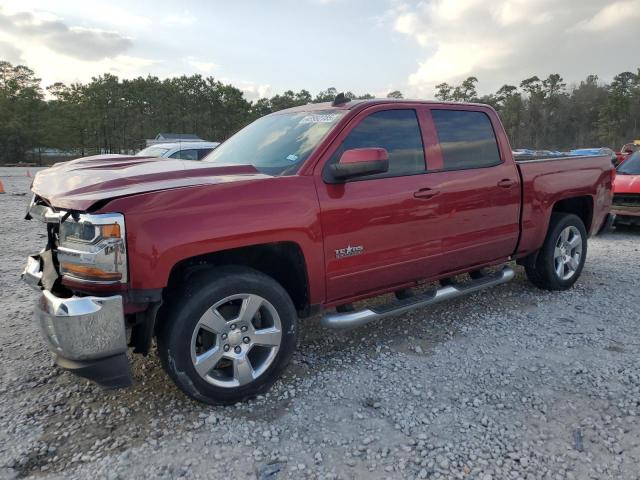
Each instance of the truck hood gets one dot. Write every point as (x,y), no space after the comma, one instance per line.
(79,184)
(626,184)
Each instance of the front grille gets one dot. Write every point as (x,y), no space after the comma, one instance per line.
(627,199)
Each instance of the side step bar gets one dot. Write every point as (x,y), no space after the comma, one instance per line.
(360,317)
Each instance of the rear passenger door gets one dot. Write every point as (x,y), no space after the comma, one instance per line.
(476,191)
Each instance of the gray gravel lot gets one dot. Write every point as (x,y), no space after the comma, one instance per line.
(510,383)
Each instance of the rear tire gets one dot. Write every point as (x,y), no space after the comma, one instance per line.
(228,336)
(559,262)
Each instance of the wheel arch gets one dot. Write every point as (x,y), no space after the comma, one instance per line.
(581,206)
(282,261)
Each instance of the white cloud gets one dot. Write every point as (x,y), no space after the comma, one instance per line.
(202,66)
(74,40)
(25,28)
(514,12)
(10,52)
(45,63)
(59,52)
(409,24)
(615,15)
(457,60)
(93,10)
(182,19)
(113,14)
(452,10)
(507,40)
(253,91)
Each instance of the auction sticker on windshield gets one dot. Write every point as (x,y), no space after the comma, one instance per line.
(320,118)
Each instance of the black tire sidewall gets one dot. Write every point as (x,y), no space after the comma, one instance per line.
(174,339)
(545,263)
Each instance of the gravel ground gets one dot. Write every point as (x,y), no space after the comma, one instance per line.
(510,383)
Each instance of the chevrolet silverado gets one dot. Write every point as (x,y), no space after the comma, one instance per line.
(306,210)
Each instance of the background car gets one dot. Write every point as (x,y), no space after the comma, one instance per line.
(596,151)
(626,151)
(626,191)
(529,154)
(181,150)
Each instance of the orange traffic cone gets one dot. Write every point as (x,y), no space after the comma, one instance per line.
(29,174)
(1,187)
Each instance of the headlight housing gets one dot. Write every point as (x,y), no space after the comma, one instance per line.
(92,248)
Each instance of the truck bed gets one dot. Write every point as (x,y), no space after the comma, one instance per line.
(544,158)
(586,180)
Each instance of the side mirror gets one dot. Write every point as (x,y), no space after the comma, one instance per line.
(358,162)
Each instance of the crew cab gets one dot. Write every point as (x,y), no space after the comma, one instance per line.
(305,211)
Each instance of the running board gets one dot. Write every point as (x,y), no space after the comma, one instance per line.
(348,320)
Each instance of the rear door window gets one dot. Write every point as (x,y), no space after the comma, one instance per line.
(467,139)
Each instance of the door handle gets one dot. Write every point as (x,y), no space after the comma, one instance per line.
(426,193)
(506,183)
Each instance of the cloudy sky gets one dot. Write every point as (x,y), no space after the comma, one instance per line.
(370,46)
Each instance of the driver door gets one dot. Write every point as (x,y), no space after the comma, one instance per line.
(373,225)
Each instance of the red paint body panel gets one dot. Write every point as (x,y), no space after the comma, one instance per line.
(168,226)
(626,184)
(546,182)
(80,183)
(465,220)
(416,227)
(357,155)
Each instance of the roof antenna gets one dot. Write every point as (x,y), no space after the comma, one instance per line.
(340,99)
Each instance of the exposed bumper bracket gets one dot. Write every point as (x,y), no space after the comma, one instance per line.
(32,274)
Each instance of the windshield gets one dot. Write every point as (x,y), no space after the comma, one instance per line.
(276,144)
(631,166)
(152,152)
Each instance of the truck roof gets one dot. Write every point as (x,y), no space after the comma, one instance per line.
(350,105)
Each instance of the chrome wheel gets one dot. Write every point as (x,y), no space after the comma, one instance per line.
(236,340)
(568,253)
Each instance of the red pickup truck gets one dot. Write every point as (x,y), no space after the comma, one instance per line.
(307,209)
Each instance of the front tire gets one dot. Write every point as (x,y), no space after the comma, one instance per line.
(228,336)
(559,262)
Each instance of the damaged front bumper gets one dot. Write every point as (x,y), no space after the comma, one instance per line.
(87,335)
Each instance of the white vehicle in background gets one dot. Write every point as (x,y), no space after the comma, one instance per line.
(181,150)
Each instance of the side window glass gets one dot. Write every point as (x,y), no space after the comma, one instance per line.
(398,132)
(203,152)
(467,139)
(185,154)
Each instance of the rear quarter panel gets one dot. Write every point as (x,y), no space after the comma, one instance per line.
(168,226)
(546,182)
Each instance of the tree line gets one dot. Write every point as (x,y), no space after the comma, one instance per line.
(546,114)
(112,115)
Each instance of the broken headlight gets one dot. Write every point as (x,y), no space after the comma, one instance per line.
(92,248)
